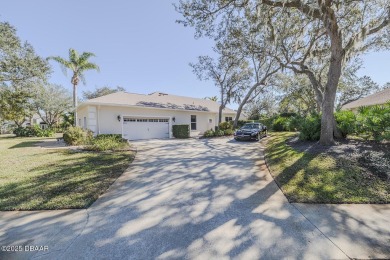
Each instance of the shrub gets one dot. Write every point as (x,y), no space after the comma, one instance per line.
(30,131)
(219,133)
(294,123)
(115,136)
(280,124)
(267,121)
(229,132)
(288,114)
(77,136)
(346,122)
(106,143)
(23,131)
(181,131)
(58,129)
(225,125)
(67,120)
(374,122)
(208,133)
(311,128)
(39,132)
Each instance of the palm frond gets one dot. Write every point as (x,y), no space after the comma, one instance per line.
(88,66)
(85,56)
(64,63)
(73,56)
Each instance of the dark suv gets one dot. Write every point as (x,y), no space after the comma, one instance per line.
(251,131)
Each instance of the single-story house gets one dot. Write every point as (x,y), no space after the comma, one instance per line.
(139,116)
(378,98)
(35,120)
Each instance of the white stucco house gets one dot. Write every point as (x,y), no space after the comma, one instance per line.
(140,116)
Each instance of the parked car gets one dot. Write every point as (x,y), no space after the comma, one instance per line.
(251,131)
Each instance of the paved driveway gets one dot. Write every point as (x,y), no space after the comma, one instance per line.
(200,199)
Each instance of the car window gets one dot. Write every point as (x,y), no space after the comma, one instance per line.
(251,126)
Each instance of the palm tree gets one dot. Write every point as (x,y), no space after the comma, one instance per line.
(78,64)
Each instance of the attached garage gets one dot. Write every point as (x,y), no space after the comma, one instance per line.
(138,128)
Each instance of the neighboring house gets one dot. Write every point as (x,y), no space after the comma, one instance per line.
(139,116)
(379,98)
(35,120)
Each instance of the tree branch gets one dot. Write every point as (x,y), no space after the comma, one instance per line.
(304,8)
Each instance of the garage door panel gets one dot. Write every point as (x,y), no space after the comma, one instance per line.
(145,128)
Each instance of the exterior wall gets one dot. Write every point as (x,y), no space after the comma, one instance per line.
(104,119)
(224,115)
(81,113)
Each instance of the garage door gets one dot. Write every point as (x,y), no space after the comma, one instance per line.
(145,128)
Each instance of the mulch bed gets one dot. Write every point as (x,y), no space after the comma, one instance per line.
(370,155)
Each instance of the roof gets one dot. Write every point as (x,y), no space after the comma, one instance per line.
(378,98)
(158,100)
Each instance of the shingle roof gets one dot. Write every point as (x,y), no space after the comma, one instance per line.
(378,98)
(158,100)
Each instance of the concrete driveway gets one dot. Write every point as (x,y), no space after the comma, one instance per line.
(199,199)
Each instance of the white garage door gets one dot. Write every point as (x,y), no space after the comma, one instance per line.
(145,128)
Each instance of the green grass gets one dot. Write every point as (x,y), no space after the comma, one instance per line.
(33,178)
(311,178)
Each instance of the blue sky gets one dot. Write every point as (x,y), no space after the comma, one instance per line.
(138,44)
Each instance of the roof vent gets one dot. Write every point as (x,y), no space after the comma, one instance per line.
(158,94)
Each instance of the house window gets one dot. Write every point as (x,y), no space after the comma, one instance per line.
(210,120)
(85,122)
(193,122)
(79,122)
(228,118)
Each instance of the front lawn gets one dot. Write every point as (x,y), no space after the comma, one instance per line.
(321,177)
(33,178)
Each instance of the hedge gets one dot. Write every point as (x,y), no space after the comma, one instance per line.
(181,131)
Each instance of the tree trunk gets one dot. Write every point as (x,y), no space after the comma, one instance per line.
(220,114)
(239,110)
(221,107)
(75,103)
(18,123)
(243,102)
(328,123)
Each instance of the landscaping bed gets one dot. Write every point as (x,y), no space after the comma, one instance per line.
(354,171)
(33,178)
(374,157)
